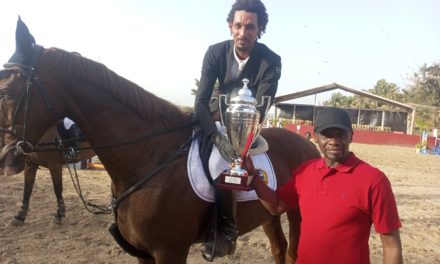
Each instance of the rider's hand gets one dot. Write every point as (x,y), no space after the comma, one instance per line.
(223,145)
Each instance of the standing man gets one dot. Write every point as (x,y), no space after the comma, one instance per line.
(229,62)
(339,197)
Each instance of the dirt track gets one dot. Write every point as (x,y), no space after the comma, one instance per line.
(83,238)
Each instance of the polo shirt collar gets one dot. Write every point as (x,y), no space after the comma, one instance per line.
(345,166)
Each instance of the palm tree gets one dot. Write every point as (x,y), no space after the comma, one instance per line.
(197,82)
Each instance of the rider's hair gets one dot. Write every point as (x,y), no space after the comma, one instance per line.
(254,6)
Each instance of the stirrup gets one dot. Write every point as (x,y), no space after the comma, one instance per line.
(71,155)
(224,245)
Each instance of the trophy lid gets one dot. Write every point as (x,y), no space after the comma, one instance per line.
(244,95)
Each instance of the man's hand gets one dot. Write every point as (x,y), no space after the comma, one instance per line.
(224,146)
(249,165)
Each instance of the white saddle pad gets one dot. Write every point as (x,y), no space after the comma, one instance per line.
(217,165)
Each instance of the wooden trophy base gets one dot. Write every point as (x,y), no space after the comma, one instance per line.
(234,182)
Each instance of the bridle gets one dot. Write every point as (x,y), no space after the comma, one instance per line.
(24,146)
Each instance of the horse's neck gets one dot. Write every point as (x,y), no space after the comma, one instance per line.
(112,110)
(111,122)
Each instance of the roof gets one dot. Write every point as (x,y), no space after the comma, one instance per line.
(334,86)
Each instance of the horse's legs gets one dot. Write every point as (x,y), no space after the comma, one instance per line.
(56,174)
(30,172)
(294,218)
(278,243)
(165,256)
(146,261)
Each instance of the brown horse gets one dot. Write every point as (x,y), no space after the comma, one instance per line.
(160,216)
(54,161)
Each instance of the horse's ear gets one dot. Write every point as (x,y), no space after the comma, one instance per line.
(23,44)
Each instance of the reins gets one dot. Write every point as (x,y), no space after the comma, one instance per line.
(89,206)
(133,141)
(99,209)
(182,149)
(25,147)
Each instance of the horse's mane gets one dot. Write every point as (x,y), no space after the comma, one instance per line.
(143,103)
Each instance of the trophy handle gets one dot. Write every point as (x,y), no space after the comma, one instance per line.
(221,104)
(263,99)
(260,125)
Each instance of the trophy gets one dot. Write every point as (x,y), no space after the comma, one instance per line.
(241,121)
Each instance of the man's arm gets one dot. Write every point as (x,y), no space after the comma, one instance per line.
(269,198)
(392,247)
(204,92)
(268,86)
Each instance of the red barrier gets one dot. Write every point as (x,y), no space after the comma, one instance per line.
(372,137)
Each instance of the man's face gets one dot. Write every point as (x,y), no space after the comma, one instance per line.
(244,29)
(334,145)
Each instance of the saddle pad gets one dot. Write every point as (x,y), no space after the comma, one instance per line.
(262,146)
(217,165)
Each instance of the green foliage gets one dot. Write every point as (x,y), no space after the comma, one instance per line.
(425,87)
(387,90)
(425,118)
(197,83)
(194,90)
(423,93)
(422,145)
(339,100)
(382,88)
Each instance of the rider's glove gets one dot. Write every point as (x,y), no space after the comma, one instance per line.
(224,147)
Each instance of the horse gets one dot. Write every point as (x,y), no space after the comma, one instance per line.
(54,160)
(143,143)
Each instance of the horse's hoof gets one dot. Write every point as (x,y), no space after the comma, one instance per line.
(17,222)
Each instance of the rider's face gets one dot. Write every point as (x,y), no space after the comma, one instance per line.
(244,29)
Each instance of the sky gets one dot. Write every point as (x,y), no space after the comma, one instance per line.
(160,44)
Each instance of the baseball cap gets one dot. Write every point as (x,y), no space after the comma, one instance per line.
(332,117)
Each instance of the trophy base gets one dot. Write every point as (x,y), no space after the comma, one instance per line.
(235,182)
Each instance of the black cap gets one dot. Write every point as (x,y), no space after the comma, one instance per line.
(332,117)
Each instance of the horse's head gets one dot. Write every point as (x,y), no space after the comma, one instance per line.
(25,113)
(10,161)
(41,86)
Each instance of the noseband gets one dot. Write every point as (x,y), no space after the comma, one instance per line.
(29,72)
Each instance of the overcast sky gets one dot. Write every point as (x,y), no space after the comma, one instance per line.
(160,44)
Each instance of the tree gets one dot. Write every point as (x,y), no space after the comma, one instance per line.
(382,88)
(424,94)
(425,87)
(387,90)
(339,100)
(194,90)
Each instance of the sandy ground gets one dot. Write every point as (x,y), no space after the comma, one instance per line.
(83,238)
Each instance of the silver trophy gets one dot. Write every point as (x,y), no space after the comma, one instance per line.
(241,121)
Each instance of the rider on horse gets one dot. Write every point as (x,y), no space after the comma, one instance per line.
(228,62)
(71,133)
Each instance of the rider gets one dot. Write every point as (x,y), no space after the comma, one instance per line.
(229,62)
(68,130)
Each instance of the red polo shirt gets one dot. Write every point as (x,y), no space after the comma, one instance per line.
(338,206)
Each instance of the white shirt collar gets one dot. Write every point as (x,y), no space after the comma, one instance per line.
(239,65)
